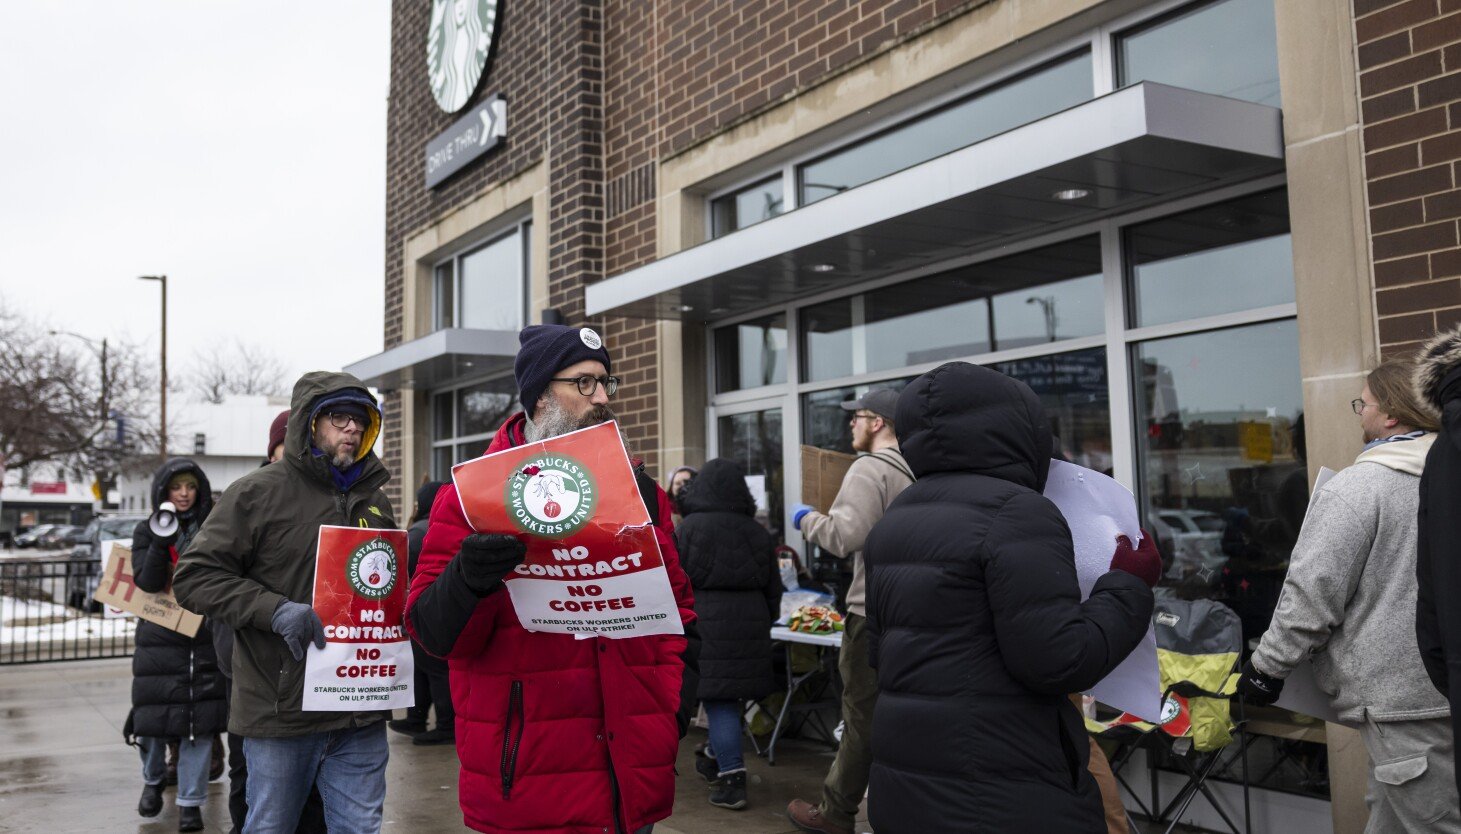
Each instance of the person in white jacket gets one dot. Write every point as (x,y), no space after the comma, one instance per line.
(1348,604)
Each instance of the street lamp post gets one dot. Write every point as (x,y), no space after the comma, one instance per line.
(163,280)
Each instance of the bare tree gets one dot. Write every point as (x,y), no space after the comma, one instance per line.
(89,407)
(236,368)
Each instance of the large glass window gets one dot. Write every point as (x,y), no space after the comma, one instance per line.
(1073,388)
(1229,48)
(1034,95)
(824,422)
(747,207)
(1223,478)
(751,354)
(1044,295)
(484,288)
(1216,259)
(464,420)
(754,439)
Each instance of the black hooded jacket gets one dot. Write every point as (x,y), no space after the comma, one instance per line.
(978,633)
(731,562)
(177,689)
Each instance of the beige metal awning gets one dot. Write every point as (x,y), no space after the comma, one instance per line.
(1134,147)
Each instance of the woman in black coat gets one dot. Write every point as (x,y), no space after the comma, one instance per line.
(977,629)
(731,562)
(177,689)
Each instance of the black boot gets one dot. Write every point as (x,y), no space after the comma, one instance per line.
(407,726)
(708,770)
(150,805)
(731,792)
(440,735)
(190,819)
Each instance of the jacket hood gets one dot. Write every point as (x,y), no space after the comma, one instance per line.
(720,487)
(960,417)
(177,466)
(1403,455)
(1434,364)
(312,390)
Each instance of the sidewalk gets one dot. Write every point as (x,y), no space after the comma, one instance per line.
(63,767)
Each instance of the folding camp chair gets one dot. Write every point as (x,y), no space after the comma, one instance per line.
(1198,646)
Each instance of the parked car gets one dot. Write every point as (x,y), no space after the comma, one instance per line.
(1194,540)
(58,537)
(32,537)
(86,557)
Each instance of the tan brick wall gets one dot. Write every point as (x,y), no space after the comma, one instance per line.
(1409,62)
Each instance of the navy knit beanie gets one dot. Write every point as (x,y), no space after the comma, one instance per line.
(546,349)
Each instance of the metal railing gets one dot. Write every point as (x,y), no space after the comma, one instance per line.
(47,613)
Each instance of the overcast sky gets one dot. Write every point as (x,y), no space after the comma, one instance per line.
(238,147)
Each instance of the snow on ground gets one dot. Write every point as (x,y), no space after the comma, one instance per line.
(39,622)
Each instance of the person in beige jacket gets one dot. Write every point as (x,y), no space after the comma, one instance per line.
(874,480)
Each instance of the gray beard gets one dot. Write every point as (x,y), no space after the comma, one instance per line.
(552,420)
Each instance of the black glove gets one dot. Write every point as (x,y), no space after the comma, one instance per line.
(299,625)
(487,557)
(1257,688)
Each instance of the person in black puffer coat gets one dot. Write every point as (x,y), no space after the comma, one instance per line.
(731,562)
(978,632)
(177,688)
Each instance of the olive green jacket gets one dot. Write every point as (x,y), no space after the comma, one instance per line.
(258,547)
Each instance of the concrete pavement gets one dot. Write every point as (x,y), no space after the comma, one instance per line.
(63,767)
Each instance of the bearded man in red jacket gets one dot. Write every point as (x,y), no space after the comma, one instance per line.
(555,733)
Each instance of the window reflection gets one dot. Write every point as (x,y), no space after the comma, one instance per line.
(751,354)
(1047,90)
(1073,388)
(482,408)
(492,286)
(747,207)
(1216,259)
(1223,477)
(825,423)
(1229,48)
(754,439)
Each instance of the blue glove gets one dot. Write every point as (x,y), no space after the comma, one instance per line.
(299,625)
(798,513)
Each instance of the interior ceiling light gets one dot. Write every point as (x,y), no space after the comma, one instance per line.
(1071,193)
(822,267)
(687,308)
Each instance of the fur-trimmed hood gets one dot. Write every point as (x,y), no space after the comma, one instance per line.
(1433,364)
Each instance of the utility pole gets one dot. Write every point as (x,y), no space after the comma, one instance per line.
(163,280)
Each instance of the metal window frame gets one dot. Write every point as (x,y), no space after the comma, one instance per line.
(517,223)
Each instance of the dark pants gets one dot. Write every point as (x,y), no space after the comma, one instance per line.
(311,820)
(847,780)
(433,688)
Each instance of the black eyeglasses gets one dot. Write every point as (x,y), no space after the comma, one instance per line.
(1359,406)
(588,384)
(340,420)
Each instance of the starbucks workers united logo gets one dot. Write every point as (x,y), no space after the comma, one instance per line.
(371,569)
(552,496)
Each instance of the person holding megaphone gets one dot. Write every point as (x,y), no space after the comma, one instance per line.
(177,689)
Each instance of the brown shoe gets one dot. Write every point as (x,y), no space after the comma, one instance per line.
(808,817)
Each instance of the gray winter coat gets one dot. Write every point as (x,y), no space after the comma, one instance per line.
(1349,598)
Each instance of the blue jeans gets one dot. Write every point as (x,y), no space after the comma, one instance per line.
(348,765)
(195,757)
(725,734)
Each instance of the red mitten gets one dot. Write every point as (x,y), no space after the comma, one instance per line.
(1144,562)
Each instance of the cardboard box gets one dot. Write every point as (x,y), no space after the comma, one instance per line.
(822,474)
(119,590)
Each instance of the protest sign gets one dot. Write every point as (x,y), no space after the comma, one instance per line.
(1098,509)
(593,566)
(111,612)
(360,596)
(119,590)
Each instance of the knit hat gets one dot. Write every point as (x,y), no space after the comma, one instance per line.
(546,349)
(276,432)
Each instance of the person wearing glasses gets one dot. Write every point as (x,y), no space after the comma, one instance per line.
(1349,605)
(877,477)
(554,733)
(252,566)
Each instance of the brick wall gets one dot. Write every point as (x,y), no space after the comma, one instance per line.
(1409,59)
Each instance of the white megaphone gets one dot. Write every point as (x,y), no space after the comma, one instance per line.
(164,522)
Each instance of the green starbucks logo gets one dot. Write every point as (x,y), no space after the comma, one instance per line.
(372,569)
(457,46)
(552,496)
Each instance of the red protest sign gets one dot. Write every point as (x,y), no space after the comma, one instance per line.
(593,565)
(360,597)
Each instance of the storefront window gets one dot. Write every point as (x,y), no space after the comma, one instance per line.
(825,423)
(464,421)
(1073,389)
(1034,95)
(751,354)
(445,295)
(1223,481)
(1229,48)
(747,207)
(1217,259)
(484,288)
(754,439)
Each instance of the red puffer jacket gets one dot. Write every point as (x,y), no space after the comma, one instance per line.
(548,724)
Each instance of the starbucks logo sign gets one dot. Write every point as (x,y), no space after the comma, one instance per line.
(552,496)
(371,569)
(457,46)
